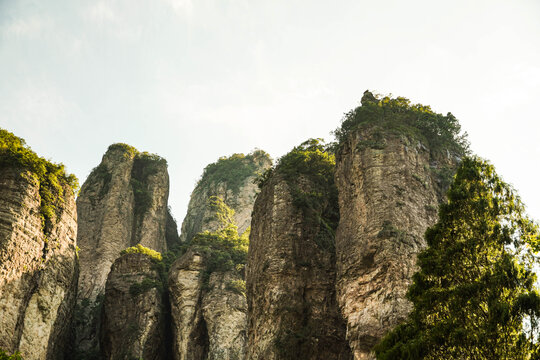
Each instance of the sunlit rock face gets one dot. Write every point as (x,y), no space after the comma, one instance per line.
(388,197)
(292,308)
(122,203)
(38,271)
(233,180)
(133,323)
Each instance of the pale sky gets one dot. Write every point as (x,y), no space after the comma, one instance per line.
(195,80)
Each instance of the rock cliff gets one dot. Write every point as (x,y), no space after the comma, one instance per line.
(292,308)
(38,261)
(133,322)
(208,304)
(190,336)
(390,182)
(232,180)
(207,292)
(122,203)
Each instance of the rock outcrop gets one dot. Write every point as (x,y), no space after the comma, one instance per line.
(207,293)
(190,337)
(209,309)
(292,308)
(38,261)
(389,189)
(133,324)
(224,310)
(122,203)
(232,180)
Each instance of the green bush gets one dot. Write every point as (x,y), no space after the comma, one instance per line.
(399,117)
(5,356)
(238,286)
(139,249)
(52,177)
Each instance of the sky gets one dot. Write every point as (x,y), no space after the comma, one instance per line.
(194,80)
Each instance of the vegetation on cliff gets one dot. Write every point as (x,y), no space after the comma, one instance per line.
(53,179)
(233,170)
(223,249)
(6,356)
(474,296)
(399,117)
(308,170)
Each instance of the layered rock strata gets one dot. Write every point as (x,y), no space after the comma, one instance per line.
(388,197)
(122,203)
(38,268)
(133,322)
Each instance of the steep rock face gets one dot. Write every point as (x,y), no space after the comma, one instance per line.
(133,323)
(38,272)
(209,311)
(208,320)
(292,308)
(122,203)
(232,180)
(224,309)
(388,196)
(190,338)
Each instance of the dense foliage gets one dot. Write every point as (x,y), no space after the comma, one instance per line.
(139,249)
(6,356)
(233,170)
(223,249)
(309,170)
(52,177)
(474,296)
(398,116)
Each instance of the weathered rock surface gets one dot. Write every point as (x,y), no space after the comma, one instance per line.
(133,322)
(232,180)
(292,308)
(122,203)
(190,337)
(38,272)
(224,310)
(387,199)
(208,320)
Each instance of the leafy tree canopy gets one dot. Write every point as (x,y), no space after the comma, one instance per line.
(474,295)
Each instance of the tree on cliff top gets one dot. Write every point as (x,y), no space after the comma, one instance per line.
(474,295)
(398,116)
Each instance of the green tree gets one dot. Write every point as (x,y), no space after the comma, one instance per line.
(6,356)
(474,295)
